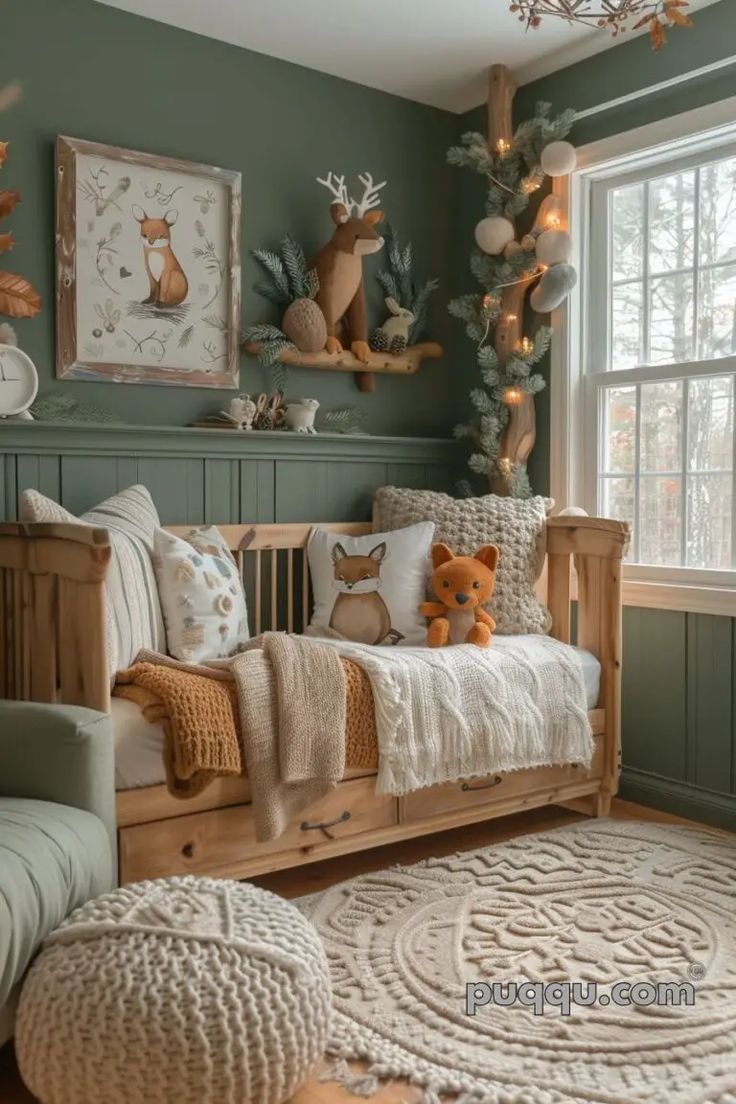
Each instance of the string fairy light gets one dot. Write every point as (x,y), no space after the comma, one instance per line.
(513,396)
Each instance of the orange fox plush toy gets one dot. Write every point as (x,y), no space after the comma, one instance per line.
(463,585)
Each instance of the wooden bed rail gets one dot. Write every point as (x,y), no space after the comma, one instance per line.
(596,547)
(52,613)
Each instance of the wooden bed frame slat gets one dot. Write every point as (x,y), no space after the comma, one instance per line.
(52,634)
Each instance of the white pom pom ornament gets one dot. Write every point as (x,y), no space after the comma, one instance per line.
(554,287)
(558,159)
(554,247)
(493,234)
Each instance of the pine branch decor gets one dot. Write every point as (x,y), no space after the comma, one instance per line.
(292,286)
(398,282)
(507,265)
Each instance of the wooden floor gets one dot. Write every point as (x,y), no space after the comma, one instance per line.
(318,876)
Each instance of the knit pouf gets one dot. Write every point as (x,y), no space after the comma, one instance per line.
(180,991)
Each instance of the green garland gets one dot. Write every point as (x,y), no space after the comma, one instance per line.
(514,173)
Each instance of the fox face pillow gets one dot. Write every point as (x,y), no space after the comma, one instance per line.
(368,589)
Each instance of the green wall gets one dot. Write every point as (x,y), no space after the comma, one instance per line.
(679,669)
(98,73)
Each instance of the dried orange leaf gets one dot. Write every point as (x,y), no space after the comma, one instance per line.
(7,241)
(657,34)
(18,297)
(3,153)
(679,18)
(8,201)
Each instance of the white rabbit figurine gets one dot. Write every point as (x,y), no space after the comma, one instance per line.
(393,335)
(241,412)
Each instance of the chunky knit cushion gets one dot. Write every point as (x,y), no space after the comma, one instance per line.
(183,991)
(516,526)
(133,612)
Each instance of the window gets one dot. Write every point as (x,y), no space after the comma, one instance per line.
(658,346)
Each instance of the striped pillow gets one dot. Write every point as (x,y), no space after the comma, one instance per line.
(134,618)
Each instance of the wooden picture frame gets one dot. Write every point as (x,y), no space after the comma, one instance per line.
(148,268)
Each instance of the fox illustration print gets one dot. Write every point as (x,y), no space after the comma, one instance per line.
(360,612)
(169,285)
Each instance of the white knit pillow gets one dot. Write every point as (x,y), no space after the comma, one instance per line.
(201,595)
(516,526)
(133,612)
(369,588)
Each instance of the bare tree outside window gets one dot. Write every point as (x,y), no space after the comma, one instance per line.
(667,444)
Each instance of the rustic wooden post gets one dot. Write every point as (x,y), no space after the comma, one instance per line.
(520,433)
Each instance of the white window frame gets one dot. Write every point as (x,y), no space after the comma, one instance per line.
(574,413)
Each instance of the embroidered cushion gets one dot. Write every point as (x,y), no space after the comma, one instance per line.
(201,595)
(133,612)
(516,526)
(369,588)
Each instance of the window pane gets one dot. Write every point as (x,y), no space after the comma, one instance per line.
(718,212)
(617,501)
(717,313)
(671,319)
(671,221)
(626,326)
(709,507)
(627,226)
(661,426)
(619,434)
(710,424)
(660,508)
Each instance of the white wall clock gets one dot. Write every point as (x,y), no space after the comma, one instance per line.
(18,382)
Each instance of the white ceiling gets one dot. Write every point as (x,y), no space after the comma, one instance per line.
(434,51)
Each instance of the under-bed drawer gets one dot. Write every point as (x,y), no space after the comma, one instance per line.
(456,796)
(223,841)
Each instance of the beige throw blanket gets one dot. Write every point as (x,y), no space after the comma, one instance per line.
(292,713)
(291,699)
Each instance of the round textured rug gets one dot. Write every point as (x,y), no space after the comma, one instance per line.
(453,972)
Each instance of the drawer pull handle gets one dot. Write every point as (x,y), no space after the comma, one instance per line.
(324,825)
(466,787)
(188,850)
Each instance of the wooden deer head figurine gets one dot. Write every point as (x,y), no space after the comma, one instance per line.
(339,265)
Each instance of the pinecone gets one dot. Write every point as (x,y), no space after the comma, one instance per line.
(398,345)
(378,341)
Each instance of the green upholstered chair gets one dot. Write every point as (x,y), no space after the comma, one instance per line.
(57,828)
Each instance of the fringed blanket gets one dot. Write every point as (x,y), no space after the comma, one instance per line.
(462,712)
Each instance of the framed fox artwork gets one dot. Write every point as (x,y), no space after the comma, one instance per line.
(148,268)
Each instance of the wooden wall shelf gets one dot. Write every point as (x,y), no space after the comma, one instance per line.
(404,365)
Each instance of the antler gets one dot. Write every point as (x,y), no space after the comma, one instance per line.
(338,188)
(371,197)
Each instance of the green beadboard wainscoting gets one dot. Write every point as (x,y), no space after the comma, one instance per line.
(95,72)
(679,669)
(216,476)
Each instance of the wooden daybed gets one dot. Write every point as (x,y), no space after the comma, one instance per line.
(52,643)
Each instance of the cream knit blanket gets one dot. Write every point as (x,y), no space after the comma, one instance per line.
(462,712)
